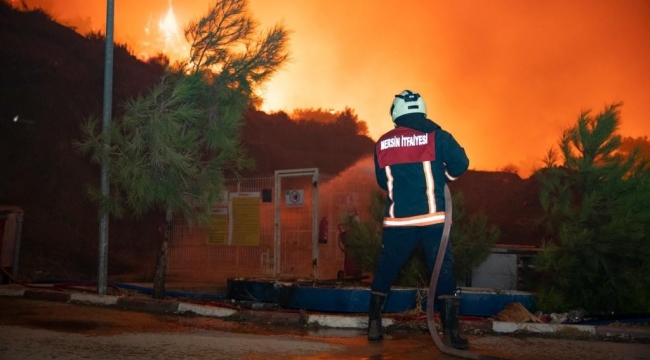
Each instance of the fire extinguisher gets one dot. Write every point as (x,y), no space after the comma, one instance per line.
(323,230)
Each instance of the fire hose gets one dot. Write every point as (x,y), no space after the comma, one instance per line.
(432,290)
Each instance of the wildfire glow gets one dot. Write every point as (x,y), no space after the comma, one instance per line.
(506,78)
(166,39)
(168,26)
(271,101)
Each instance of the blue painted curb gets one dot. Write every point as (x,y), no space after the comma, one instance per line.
(489,302)
(342,300)
(182,294)
(258,290)
(337,298)
(317,297)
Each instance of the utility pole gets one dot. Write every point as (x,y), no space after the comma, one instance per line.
(102,273)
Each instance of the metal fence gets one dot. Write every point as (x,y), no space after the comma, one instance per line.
(292,252)
(194,258)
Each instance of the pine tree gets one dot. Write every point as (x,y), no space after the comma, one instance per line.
(472,237)
(596,221)
(172,148)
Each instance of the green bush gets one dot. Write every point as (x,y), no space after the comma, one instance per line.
(472,238)
(596,222)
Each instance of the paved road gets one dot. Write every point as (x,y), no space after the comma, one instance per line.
(33,329)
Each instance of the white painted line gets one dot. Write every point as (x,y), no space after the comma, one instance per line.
(344,322)
(11,291)
(94,298)
(510,327)
(205,310)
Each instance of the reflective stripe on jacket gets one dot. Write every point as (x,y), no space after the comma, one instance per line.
(412,167)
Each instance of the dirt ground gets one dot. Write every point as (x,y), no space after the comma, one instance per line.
(33,329)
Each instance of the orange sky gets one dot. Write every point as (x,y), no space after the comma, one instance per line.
(505,77)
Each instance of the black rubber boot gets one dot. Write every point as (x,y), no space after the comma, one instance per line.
(449,314)
(375,329)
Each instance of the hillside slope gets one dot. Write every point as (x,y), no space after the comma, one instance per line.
(52,81)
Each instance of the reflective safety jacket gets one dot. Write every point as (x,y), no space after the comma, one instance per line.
(412,167)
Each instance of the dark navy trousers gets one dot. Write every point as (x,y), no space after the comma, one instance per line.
(399,243)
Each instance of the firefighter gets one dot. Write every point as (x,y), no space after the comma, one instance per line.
(413,162)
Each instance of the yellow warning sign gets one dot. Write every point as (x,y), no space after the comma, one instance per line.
(245,220)
(218,228)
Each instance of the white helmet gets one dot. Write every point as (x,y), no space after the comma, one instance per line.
(407,102)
